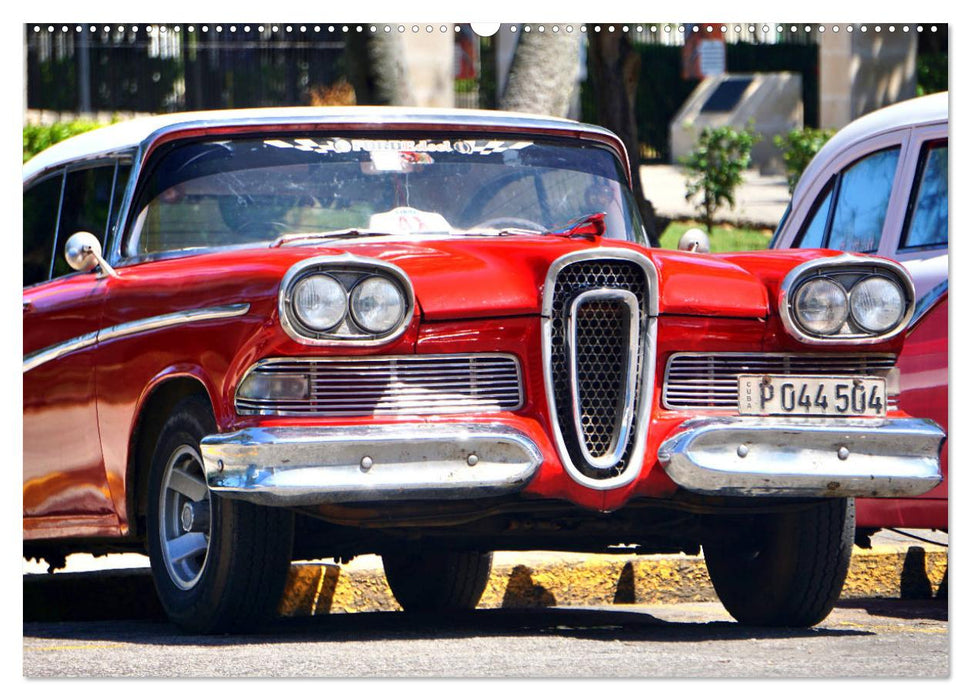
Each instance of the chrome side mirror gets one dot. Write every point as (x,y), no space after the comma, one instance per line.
(694,240)
(83,253)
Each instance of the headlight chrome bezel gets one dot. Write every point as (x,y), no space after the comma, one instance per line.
(846,270)
(349,270)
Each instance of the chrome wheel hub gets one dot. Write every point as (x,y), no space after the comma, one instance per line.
(184,527)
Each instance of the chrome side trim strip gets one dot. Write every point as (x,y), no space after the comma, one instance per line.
(648,331)
(781,456)
(35,359)
(174,319)
(303,466)
(625,409)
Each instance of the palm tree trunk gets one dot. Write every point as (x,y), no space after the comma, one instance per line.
(614,72)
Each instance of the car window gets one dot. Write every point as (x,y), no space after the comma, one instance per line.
(121,181)
(813,233)
(87,199)
(851,210)
(926,221)
(861,205)
(41,201)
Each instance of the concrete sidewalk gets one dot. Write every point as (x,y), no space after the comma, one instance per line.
(119,586)
(895,567)
(760,202)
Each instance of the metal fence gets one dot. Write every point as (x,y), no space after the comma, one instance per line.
(167,68)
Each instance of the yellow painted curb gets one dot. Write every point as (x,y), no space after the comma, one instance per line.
(314,589)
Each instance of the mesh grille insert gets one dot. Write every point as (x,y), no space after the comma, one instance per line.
(601,359)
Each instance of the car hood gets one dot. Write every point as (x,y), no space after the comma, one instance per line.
(471,277)
(505,276)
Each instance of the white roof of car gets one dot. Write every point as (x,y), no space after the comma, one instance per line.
(907,114)
(130,134)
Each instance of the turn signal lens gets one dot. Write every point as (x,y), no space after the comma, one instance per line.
(277,387)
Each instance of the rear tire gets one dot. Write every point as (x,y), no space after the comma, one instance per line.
(787,569)
(437,581)
(218,565)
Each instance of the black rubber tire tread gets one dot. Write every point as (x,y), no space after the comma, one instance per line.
(797,575)
(437,581)
(249,551)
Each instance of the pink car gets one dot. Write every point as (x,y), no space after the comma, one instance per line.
(880,186)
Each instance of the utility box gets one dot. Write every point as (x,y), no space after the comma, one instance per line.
(771,103)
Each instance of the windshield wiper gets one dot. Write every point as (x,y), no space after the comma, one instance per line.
(297,238)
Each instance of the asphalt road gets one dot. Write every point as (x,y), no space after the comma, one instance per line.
(862,638)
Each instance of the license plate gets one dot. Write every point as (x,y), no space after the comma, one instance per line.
(789,395)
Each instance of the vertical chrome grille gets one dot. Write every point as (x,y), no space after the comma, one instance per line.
(597,311)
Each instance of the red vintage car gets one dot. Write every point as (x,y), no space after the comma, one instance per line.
(259,336)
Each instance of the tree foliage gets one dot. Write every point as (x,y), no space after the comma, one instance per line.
(715,168)
(615,67)
(37,137)
(798,148)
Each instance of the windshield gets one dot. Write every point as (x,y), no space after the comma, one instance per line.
(255,190)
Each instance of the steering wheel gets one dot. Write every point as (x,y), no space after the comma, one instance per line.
(255,226)
(502,222)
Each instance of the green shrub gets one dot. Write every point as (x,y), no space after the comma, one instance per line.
(37,137)
(931,73)
(715,168)
(798,148)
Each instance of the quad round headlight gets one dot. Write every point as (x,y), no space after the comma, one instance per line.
(319,301)
(877,304)
(821,306)
(377,304)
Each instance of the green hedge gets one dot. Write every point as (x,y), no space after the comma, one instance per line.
(37,137)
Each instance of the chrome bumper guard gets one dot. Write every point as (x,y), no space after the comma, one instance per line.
(309,466)
(755,456)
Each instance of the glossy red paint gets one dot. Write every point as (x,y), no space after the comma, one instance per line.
(473,295)
(64,473)
(923,392)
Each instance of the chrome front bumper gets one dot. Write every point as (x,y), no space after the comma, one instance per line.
(755,456)
(311,466)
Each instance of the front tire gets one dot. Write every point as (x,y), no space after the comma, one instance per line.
(786,569)
(218,565)
(437,581)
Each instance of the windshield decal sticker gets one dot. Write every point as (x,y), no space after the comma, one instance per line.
(341,145)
